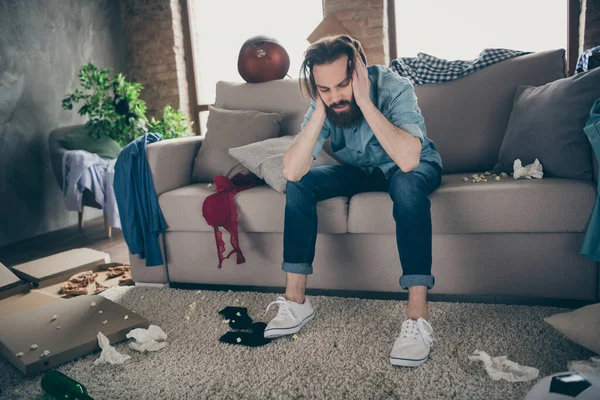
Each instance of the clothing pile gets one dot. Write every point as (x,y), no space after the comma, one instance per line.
(87,171)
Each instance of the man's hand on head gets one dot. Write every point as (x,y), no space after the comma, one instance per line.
(320,105)
(360,83)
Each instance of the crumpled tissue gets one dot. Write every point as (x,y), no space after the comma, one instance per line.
(534,170)
(502,368)
(109,354)
(151,339)
(591,366)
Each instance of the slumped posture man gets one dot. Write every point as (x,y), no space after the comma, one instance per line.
(377,131)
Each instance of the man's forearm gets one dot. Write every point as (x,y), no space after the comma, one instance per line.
(402,147)
(297,160)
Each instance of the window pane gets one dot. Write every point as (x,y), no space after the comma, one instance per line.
(222,27)
(461,29)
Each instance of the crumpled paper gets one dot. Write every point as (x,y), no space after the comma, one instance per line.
(151,339)
(109,354)
(502,368)
(534,170)
(591,366)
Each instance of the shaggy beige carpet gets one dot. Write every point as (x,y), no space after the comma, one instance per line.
(342,354)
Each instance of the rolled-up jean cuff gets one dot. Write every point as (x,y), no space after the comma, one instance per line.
(297,268)
(407,281)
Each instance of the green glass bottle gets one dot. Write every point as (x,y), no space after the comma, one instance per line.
(60,386)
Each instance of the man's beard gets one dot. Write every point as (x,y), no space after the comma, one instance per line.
(344,119)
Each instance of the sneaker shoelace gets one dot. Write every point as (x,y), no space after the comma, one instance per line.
(284,308)
(411,329)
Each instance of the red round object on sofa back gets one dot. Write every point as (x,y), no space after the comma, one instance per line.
(263,59)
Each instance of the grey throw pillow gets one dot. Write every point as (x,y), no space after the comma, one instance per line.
(265,160)
(547,123)
(227,129)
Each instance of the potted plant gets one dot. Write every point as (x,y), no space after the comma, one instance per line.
(116,111)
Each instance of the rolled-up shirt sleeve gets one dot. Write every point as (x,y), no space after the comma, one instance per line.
(403,110)
(323,135)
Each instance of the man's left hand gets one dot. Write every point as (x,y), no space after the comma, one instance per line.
(360,83)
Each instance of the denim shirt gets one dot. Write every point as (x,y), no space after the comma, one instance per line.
(357,145)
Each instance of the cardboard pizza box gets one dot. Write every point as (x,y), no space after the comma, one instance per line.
(59,267)
(10,284)
(79,324)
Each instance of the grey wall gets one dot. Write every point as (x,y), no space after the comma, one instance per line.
(42,46)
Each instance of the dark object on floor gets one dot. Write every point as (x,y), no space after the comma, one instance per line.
(252,338)
(241,321)
(60,386)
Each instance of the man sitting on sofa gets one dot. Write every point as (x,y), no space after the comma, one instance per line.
(377,132)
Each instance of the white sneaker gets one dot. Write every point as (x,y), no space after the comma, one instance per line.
(411,348)
(290,318)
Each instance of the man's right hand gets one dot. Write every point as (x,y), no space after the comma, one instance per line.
(320,105)
(297,160)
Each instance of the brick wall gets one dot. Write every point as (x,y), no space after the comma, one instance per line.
(366,21)
(156,52)
(591,34)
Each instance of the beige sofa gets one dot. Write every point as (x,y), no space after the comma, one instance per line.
(512,239)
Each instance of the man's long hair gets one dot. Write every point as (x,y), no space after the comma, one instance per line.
(326,51)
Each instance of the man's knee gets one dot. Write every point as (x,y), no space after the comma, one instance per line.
(304,188)
(407,189)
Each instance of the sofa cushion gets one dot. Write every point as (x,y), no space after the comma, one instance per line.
(509,205)
(282,96)
(265,160)
(260,209)
(467,117)
(547,123)
(227,129)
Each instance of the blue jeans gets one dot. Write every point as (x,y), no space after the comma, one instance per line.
(412,212)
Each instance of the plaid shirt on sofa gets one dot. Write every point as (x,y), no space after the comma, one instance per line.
(429,69)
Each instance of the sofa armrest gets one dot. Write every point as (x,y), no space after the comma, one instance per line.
(171,162)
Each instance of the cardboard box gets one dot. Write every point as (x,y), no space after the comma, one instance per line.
(10,284)
(79,326)
(25,301)
(59,267)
